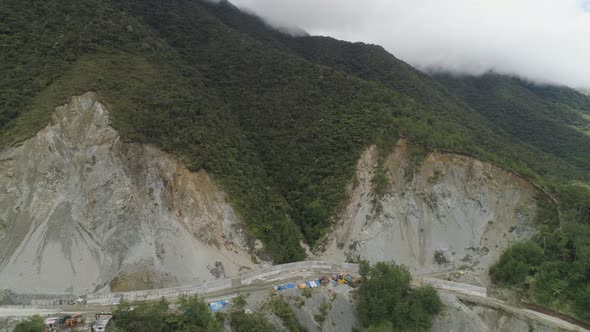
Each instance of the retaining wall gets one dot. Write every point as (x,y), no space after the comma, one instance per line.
(60,301)
(456,287)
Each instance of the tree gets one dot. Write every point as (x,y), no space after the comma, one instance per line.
(582,302)
(194,316)
(544,232)
(385,296)
(422,304)
(33,324)
(147,316)
(240,321)
(550,282)
(382,327)
(516,263)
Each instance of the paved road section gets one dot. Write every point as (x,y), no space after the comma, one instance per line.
(272,273)
(264,279)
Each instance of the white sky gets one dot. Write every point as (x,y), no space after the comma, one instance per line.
(541,40)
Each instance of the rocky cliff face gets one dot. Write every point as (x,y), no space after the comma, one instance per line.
(447,213)
(81,210)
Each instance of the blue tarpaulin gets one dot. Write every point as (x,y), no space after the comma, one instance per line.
(216,306)
(286,286)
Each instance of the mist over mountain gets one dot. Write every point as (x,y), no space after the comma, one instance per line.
(541,41)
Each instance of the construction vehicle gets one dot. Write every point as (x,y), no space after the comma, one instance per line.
(62,320)
(75,321)
(346,278)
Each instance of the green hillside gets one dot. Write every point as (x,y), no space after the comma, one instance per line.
(280,121)
(554,120)
(154,94)
(280,133)
(538,131)
(373,63)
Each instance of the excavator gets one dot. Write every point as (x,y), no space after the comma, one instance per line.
(75,321)
(346,278)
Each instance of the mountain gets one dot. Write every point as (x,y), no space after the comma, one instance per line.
(556,120)
(373,63)
(445,213)
(273,126)
(85,211)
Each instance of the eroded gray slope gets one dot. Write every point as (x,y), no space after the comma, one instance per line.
(80,208)
(467,210)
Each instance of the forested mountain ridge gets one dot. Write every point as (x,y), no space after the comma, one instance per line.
(372,62)
(280,121)
(532,129)
(555,120)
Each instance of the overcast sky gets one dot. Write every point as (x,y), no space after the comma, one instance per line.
(541,40)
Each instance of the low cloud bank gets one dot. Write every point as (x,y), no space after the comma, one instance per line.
(546,41)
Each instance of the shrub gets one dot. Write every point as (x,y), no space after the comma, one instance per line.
(440,258)
(321,317)
(240,302)
(380,181)
(306,292)
(243,322)
(282,309)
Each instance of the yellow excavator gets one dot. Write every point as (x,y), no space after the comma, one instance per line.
(75,321)
(346,278)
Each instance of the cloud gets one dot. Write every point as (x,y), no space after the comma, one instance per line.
(546,41)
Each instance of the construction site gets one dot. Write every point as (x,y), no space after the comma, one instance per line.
(67,315)
(314,289)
